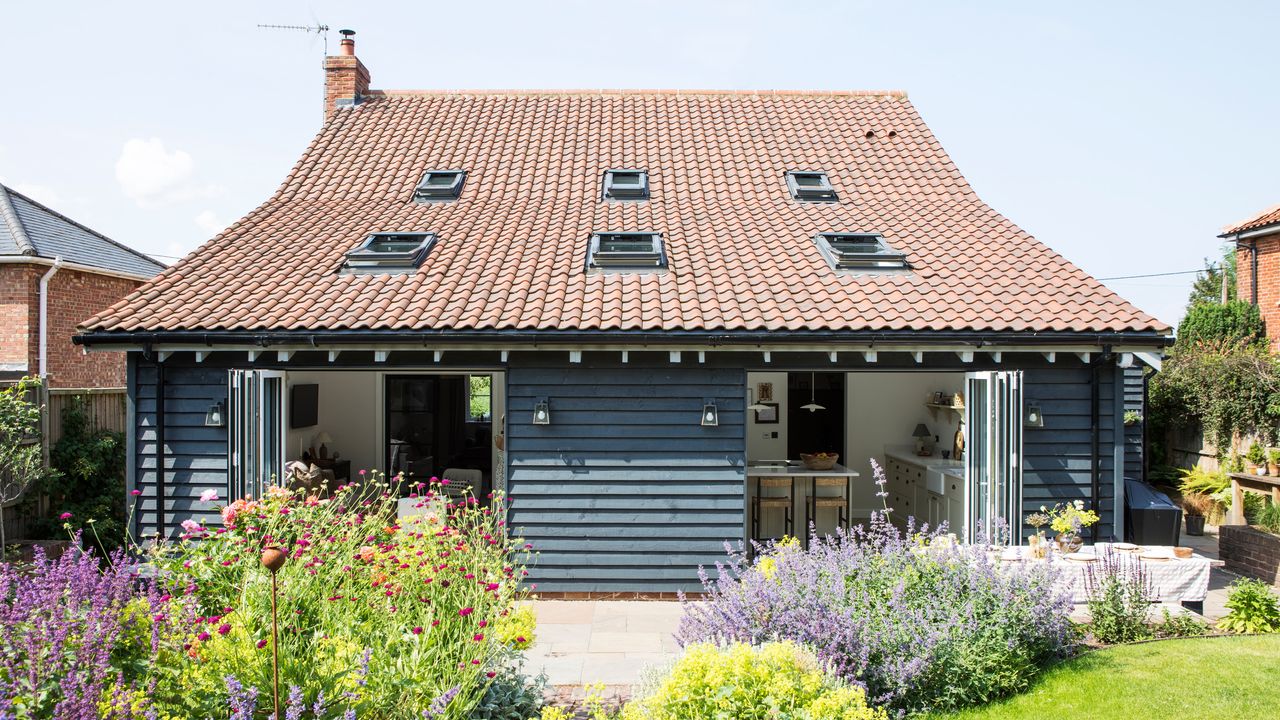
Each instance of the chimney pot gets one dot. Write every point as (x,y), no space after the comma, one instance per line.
(348,44)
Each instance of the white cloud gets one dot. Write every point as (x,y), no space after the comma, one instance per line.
(210,223)
(152,175)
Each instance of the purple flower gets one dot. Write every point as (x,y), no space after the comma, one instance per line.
(297,704)
(441,703)
(242,701)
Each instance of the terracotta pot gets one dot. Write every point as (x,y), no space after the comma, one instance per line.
(1273,469)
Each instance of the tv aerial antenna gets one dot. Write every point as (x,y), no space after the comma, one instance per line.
(317,29)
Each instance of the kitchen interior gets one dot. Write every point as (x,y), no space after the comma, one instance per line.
(910,423)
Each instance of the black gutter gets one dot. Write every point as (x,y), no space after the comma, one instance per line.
(160,470)
(1253,272)
(1095,427)
(608,337)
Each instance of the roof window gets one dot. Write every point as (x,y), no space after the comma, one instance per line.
(626,251)
(811,186)
(859,251)
(438,185)
(626,185)
(389,252)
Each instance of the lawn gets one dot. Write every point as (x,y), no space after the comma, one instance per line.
(1207,678)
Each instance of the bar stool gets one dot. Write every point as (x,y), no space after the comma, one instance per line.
(786,504)
(838,502)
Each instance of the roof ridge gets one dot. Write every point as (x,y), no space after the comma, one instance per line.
(1232,228)
(82,226)
(10,216)
(899,94)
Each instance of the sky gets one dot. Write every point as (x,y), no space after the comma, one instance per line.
(1123,135)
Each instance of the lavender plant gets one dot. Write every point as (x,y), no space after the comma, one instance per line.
(1120,596)
(923,625)
(79,639)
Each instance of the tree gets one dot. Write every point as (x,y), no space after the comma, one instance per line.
(1238,321)
(1207,288)
(21,462)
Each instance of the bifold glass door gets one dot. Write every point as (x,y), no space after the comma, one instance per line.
(255,437)
(993,460)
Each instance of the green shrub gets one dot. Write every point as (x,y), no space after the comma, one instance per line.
(1256,454)
(1268,518)
(1254,608)
(511,694)
(1120,597)
(92,465)
(1236,321)
(776,681)
(1180,626)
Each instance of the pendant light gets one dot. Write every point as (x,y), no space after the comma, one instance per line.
(813,405)
(755,405)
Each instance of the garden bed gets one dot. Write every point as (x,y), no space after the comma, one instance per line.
(1250,551)
(1233,679)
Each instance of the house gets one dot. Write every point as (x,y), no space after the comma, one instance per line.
(627,308)
(55,272)
(1257,245)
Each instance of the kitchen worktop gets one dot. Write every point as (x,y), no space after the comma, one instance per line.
(760,469)
(907,454)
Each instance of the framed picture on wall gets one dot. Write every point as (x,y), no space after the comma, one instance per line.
(764,392)
(767,416)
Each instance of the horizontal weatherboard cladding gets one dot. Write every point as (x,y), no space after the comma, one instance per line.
(1057,459)
(625,490)
(195,455)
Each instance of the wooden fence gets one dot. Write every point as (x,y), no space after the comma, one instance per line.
(104,409)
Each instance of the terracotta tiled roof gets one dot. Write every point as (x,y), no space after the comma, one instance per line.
(512,249)
(1270,216)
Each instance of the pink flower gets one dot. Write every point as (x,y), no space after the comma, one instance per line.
(224,628)
(478,637)
(192,526)
(135,493)
(203,636)
(64,516)
(417,630)
(209,495)
(262,643)
(466,611)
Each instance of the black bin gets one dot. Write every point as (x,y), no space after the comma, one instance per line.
(1151,518)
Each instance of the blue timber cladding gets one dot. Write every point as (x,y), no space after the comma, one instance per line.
(1135,400)
(1057,459)
(195,456)
(625,490)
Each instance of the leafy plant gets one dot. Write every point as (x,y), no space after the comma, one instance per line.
(1232,387)
(1120,596)
(511,694)
(1181,625)
(1132,417)
(1253,608)
(92,466)
(1268,518)
(1256,455)
(21,461)
(776,681)
(1238,321)
(1196,503)
(922,623)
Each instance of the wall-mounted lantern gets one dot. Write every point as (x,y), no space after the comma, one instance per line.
(542,412)
(710,414)
(1034,417)
(216,415)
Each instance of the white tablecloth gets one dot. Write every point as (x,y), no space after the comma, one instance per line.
(1173,580)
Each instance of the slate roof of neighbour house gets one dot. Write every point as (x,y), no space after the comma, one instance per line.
(512,248)
(30,229)
(1270,216)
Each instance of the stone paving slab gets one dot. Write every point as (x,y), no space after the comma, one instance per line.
(605,642)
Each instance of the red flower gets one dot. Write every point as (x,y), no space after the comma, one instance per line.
(224,628)
(64,516)
(262,643)
(478,637)
(203,636)
(417,630)
(466,611)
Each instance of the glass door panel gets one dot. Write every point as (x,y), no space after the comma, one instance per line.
(993,461)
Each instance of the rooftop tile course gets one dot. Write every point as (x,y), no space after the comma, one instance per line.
(512,249)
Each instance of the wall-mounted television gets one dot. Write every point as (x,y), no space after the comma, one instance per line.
(304,405)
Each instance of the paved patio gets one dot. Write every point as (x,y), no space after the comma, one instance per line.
(607,642)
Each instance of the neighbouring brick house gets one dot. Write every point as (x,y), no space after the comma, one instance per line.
(1257,242)
(79,272)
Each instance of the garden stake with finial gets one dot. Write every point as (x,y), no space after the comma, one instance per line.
(273,559)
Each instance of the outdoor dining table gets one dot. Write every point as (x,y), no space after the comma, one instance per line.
(1172,579)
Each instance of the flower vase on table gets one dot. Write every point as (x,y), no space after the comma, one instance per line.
(1069,542)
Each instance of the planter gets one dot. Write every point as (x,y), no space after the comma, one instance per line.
(1273,469)
(1195,525)
(1250,551)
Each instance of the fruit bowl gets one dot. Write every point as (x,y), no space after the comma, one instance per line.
(819,461)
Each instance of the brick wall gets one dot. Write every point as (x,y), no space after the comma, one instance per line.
(1268,283)
(345,77)
(74,297)
(1250,552)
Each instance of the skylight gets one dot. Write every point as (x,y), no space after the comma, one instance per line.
(626,251)
(811,186)
(437,185)
(389,252)
(859,251)
(626,185)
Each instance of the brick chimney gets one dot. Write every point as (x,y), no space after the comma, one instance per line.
(346,79)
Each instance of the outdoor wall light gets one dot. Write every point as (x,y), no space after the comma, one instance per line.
(217,415)
(1034,418)
(542,413)
(710,415)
